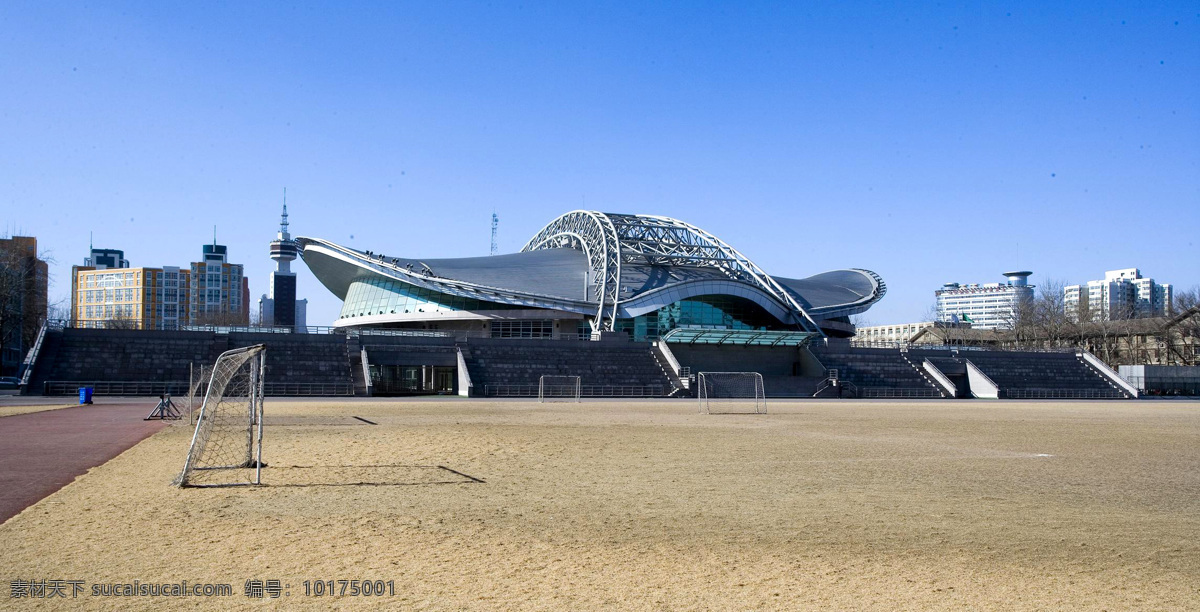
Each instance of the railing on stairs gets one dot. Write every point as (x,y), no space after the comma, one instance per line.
(982,385)
(941,391)
(366,371)
(464,375)
(670,365)
(31,357)
(940,377)
(1102,368)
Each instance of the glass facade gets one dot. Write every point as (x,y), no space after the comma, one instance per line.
(523,329)
(376,295)
(704,312)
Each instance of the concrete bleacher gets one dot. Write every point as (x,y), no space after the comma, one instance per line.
(135,362)
(514,367)
(876,372)
(1034,375)
(150,362)
(791,386)
(302,364)
(74,356)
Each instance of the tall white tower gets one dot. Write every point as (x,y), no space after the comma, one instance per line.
(283,250)
(280,307)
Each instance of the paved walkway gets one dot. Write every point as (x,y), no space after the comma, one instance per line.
(42,452)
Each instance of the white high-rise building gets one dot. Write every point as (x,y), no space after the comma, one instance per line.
(987,306)
(1122,294)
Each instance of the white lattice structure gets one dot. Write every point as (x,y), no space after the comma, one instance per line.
(610,240)
(731,392)
(558,388)
(226,447)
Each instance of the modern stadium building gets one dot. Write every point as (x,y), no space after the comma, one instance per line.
(624,305)
(590,272)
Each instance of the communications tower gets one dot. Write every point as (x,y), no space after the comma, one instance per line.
(280,308)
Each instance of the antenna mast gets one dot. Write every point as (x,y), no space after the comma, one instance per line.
(495,223)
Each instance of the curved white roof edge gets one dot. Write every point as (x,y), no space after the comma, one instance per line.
(443,285)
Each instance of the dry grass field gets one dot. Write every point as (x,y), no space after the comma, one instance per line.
(10,405)
(647,505)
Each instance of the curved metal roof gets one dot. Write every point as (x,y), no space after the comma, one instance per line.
(610,265)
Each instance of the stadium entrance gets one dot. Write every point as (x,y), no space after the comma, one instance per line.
(413,379)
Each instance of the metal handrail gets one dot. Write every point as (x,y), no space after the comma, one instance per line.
(890,392)
(531,390)
(908,346)
(58,324)
(1064,394)
(1108,373)
(150,387)
(31,357)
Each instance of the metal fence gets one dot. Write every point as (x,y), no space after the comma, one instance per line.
(117,387)
(1063,394)
(531,390)
(180,388)
(313,389)
(906,346)
(888,392)
(352,332)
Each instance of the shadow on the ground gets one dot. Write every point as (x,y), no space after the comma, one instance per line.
(364,476)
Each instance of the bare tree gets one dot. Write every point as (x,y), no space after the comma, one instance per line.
(219,319)
(1186,299)
(24,283)
(122,323)
(1184,335)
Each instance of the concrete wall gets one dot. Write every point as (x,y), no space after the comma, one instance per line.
(768,361)
(1158,379)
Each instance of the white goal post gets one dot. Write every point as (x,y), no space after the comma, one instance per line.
(557,388)
(731,392)
(226,447)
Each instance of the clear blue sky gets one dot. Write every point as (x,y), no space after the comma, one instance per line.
(934,143)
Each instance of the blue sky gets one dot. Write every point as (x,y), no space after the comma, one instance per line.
(929,143)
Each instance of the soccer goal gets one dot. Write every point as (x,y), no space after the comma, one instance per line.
(226,447)
(731,393)
(197,384)
(555,388)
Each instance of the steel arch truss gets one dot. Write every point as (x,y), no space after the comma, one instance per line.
(595,235)
(610,240)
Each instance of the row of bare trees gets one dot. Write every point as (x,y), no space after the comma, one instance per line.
(1043,321)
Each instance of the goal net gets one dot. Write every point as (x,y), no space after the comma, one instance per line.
(197,384)
(226,447)
(553,388)
(731,392)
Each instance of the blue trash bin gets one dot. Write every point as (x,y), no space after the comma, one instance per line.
(85,395)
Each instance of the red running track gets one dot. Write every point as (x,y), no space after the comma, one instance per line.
(41,452)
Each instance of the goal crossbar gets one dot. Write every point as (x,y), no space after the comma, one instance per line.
(731,392)
(558,388)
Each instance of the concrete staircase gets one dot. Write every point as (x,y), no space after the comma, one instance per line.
(46,359)
(1042,375)
(877,372)
(606,369)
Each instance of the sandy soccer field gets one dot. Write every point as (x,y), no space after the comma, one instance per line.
(648,505)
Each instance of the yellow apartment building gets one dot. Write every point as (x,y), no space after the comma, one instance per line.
(131,298)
